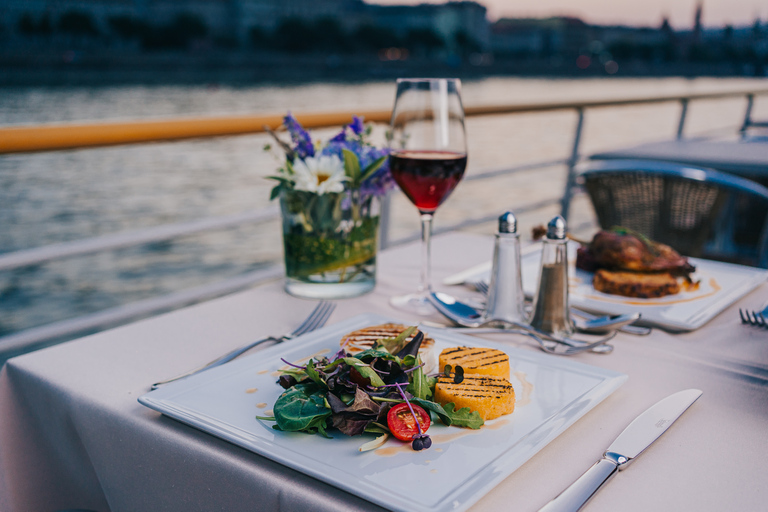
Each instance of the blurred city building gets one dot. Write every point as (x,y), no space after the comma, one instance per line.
(562,41)
(454,34)
(539,37)
(234,20)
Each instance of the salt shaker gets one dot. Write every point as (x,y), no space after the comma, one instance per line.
(505,295)
(551,313)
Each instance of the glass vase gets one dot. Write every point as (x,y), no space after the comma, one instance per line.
(330,243)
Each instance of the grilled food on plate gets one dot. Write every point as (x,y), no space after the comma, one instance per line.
(479,381)
(387,390)
(631,284)
(484,361)
(622,249)
(629,264)
(364,339)
(489,395)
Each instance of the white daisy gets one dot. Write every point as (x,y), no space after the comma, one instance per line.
(319,174)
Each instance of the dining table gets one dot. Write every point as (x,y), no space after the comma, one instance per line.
(74,437)
(745,157)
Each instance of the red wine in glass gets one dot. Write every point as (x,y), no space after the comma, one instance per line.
(427,177)
(428,155)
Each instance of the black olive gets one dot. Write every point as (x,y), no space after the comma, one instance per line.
(286,381)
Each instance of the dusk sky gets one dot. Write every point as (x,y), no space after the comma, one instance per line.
(629,12)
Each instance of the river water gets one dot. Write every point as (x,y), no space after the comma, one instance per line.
(61,196)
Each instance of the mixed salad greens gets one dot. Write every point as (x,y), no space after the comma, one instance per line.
(383,390)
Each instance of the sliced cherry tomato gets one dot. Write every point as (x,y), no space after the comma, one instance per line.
(402,423)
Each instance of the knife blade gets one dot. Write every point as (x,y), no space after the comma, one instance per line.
(638,436)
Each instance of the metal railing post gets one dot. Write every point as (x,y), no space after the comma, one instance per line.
(747,115)
(384,220)
(570,179)
(683,113)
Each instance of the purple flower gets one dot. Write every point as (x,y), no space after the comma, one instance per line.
(356,125)
(381,181)
(301,139)
(351,138)
(377,185)
(341,136)
(369,154)
(336,146)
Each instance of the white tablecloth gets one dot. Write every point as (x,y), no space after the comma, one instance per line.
(72,434)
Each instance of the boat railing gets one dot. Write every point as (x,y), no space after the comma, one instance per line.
(53,137)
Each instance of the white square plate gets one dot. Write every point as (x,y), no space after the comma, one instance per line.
(460,467)
(721,284)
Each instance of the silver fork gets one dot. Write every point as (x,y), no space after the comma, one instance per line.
(316,319)
(573,349)
(757,318)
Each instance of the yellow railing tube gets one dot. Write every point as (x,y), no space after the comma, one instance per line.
(50,137)
(24,139)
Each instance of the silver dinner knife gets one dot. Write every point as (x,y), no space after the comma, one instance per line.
(638,436)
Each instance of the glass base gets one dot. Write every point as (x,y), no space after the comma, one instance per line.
(307,290)
(415,303)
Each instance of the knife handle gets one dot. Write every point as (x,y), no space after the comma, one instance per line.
(580,491)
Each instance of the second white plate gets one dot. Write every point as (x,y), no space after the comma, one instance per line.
(721,284)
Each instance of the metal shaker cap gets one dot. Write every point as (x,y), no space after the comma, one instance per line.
(508,223)
(556,228)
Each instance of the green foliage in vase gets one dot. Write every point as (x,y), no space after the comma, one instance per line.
(314,252)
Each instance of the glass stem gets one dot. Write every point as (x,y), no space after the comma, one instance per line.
(426,264)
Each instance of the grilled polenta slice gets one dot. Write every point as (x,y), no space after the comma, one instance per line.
(635,284)
(479,360)
(364,339)
(489,395)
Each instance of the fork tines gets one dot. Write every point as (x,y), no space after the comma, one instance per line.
(481,286)
(317,318)
(752,318)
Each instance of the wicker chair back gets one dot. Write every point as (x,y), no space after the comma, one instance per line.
(699,212)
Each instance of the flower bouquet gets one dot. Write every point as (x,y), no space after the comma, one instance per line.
(329,200)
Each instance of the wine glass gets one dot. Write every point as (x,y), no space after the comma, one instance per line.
(428,155)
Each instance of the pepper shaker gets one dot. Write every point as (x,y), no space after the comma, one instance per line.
(505,294)
(551,313)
